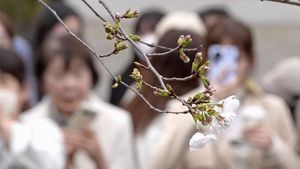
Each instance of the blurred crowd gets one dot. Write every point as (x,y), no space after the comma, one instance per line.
(51,118)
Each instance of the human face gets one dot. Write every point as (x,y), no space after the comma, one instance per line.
(12,94)
(67,87)
(5,41)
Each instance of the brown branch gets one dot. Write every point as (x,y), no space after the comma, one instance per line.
(93,10)
(78,39)
(102,63)
(150,86)
(149,104)
(164,53)
(124,34)
(192,76)
(285,2)
(167,48)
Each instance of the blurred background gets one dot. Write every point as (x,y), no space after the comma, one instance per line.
(275,27)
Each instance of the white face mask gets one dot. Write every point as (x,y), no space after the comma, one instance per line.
(148,38)
(8,101)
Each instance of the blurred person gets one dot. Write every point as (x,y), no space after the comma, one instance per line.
(21,46)
(34,144)
(47,26)
(262,135)
(144,27)
(159,141)
(97,135)
(213,15)
(284,81)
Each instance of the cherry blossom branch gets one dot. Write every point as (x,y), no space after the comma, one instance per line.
(148,103)
(125,35)
(285,2)
(103,64)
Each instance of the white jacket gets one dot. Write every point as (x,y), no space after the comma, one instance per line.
(112,126)
(34,144)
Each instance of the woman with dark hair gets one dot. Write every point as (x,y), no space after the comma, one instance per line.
(48,25)
(24,144)
(262,136)
(159,141)
(96,134)
(144,27)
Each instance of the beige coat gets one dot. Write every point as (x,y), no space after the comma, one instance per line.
(112,127)
(284,80)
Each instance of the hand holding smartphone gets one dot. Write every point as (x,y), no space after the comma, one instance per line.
(83,117)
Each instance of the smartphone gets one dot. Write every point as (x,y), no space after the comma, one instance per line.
(81,118)
(223,61)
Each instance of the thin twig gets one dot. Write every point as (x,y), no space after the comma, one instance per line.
(192,76)
(123,33)
(102,63)
(77,38)
(150,86)
(164,53)
(167,48)
(93,10)
(149,104)
(285,2)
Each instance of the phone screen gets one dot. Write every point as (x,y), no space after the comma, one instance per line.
(223,61)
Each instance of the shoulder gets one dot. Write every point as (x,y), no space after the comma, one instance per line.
(110,113)
(37,112)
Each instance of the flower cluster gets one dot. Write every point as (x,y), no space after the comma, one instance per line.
(225,112)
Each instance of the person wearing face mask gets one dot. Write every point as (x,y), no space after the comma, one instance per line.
(96,134)
(144,27)
(262,135)
(34,144)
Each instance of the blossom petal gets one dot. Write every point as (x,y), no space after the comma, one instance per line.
(199,140)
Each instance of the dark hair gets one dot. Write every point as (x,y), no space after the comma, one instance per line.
(169,66)
(46,21)
(238,32)
(12,64)
(217,11)
(150,18)
(5,20)
(67,47)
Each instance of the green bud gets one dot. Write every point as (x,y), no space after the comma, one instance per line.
(119,46)
(110,37)
(184,41)
(137,76)
(183,56)
(131,14)
(162,92)
(108,27)
(205,81)
(195,65)
(134,37)
(198,96)
(170,89)
(115,85)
